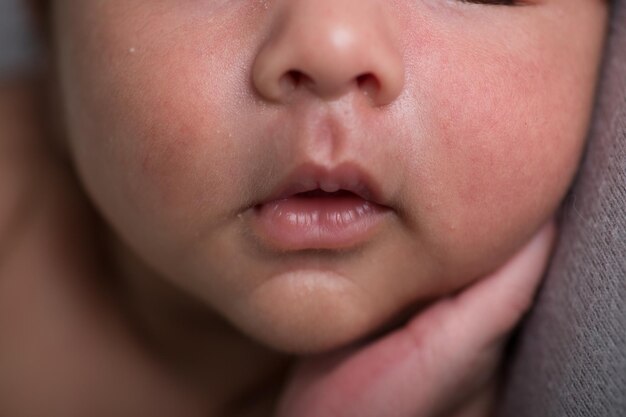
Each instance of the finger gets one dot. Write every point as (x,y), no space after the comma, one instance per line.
(385,378)
(402,374)
(434,362)
(499,301)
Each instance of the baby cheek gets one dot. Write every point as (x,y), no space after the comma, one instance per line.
(178,152)
(506,152)
(155,110)
(178,158)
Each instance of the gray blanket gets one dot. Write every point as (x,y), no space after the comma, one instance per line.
(18,51)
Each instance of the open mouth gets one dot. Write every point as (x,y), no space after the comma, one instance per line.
(340,199)
(318,219)
(318,193)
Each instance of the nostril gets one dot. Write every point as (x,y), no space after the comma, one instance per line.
(369,84)
(292,79)
(296,76)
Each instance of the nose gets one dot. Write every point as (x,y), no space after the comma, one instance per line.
(330,47)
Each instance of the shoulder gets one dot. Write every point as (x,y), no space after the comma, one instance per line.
(19,157)
(38,191)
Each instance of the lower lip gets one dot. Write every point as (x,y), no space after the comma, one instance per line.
(300,223)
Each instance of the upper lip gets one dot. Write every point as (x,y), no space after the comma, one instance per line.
(344,177)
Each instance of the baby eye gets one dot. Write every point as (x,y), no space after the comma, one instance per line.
(492,2)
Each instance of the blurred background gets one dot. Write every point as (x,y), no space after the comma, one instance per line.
(18,48)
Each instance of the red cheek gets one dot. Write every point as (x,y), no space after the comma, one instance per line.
(164,151)
(490,128)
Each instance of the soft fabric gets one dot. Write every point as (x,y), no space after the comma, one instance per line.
(570,356)
(18,51)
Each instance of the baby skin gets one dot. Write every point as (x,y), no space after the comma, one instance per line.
(285,208)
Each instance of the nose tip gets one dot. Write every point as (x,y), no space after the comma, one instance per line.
(329,48)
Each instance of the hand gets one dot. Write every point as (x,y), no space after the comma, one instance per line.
(443,363)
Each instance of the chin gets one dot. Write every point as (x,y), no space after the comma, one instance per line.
(306,338)
(307,312)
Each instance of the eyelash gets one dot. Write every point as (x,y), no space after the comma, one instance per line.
(492,2)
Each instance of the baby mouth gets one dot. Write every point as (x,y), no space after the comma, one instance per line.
(334,212)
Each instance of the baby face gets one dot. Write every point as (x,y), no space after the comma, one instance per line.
(310,169)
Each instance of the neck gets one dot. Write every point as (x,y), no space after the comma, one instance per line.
(209,354)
